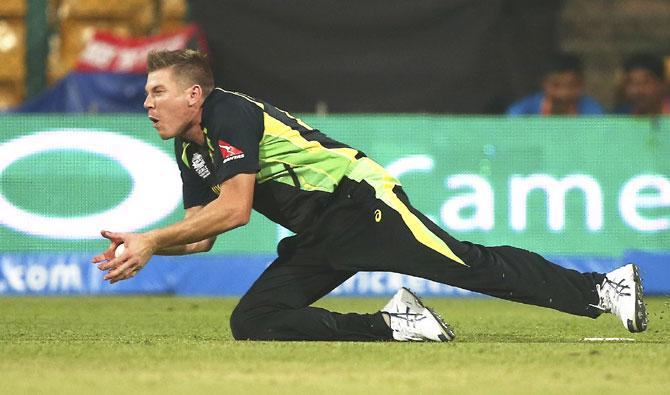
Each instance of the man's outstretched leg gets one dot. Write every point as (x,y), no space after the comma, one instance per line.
(366,233)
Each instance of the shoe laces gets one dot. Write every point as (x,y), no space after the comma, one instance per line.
(405,324)
(609,293)
(409,318)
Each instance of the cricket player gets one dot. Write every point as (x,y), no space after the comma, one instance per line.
(237,153)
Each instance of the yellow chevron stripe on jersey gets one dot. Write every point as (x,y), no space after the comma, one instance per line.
(327,165)
(367,170)
(276,128)
(274,170)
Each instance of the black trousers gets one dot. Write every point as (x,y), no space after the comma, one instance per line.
(359,232)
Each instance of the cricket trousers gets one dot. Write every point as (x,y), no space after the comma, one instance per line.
(355,232)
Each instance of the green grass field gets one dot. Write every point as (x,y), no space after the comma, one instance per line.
(159,345)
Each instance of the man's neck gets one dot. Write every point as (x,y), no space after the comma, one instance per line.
(194,132)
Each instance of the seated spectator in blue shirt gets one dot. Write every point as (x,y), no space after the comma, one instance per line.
(562,92)
(644,86)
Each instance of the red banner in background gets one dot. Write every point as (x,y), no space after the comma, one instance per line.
(109,52)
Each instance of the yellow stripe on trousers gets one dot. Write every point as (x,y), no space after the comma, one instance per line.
(383,183)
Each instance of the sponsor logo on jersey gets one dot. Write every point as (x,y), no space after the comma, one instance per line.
(199,165)
(229,152)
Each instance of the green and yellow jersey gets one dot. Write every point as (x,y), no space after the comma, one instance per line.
(297,167)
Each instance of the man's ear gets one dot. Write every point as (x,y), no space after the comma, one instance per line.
(195,95)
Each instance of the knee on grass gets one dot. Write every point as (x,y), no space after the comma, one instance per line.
(244,327)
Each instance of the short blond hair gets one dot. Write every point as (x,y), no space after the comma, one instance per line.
(189,65)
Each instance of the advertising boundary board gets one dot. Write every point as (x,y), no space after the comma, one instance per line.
(590,193)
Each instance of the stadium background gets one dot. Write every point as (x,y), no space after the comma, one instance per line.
(415,87)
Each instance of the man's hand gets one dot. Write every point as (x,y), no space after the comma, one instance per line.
(139,249)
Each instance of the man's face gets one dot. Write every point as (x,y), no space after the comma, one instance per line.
(167,104)
(563,89)
(644,91)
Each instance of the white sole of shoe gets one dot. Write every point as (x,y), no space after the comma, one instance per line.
(447,333)
(640,322)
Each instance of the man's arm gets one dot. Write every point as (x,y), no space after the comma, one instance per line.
(231,209)
(191,248)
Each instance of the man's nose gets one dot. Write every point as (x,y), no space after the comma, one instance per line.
(148,103)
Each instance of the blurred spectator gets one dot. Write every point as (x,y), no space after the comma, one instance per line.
(644,87)
(562,92)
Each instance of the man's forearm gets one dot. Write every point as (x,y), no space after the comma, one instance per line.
(212,220)
(174,250)
(232,208)
(186,249)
